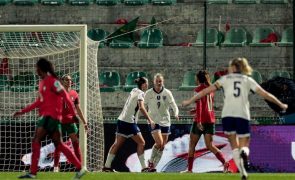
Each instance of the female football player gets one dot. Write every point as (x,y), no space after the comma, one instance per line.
(159,100)
(49,102)
(127,125)
(204,122)
(69,121)
(236,113)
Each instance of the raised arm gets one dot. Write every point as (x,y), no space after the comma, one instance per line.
(268,96)
(201,94)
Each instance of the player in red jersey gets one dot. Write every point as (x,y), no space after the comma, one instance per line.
(49,102)
(69,121)
(235,115)
(204,122)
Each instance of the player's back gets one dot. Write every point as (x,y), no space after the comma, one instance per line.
(50,98)
(204,106)
(130,111)
(236,88)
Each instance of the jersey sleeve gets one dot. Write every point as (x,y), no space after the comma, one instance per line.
(253,84)
(220,82)
(140,96)
(57,87)
(32,106)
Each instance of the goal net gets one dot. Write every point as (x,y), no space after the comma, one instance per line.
(68,48)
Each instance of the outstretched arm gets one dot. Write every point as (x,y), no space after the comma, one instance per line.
(201,94)
(28,108)
(268,96)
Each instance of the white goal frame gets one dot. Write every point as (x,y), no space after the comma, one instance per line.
(82,30)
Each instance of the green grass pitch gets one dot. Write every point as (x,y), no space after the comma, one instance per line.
(153,176)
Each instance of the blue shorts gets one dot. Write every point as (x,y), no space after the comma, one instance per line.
(162,129)
(235,125)
(126,129)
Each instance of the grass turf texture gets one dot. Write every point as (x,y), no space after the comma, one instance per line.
(151,176)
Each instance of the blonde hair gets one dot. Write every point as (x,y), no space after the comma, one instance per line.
(64,76)
(241,65)
(158,75)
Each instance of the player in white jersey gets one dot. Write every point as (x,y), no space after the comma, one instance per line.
(235,113)
(159,100)
(127,125)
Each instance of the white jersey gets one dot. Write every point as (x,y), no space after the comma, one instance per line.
(130,111)
(158,106)
(236,88)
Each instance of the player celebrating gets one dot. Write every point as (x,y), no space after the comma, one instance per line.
(49,102)
(235,113)
(69,121)
(204,122)
(159,100)
(127,125)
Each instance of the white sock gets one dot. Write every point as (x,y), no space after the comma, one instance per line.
(237,158)
(142,161)
(109,160)
(158,157)
(153,155)
(246,150)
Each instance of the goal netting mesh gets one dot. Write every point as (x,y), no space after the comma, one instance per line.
(19,52)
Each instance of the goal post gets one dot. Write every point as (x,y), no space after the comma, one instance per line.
(71,52)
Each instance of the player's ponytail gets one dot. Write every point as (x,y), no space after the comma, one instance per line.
(140,81)
(203,77)
(46,66)
(242,65)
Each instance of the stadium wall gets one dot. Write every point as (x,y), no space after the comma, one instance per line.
(173,61)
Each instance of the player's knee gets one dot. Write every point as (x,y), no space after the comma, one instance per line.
(158,145)
(162,147)
(141,144)
(209,146)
